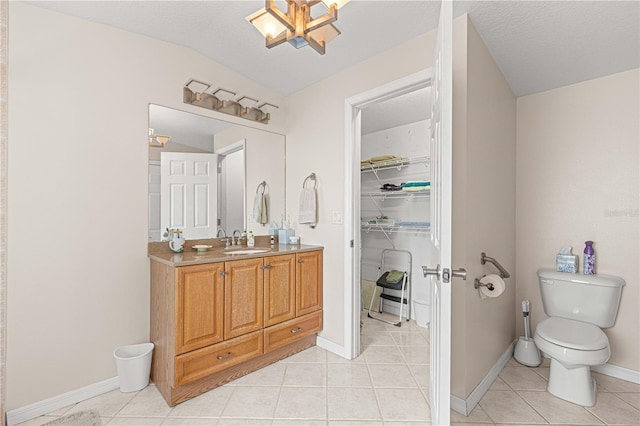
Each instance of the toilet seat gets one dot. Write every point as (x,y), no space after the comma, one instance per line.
(572,334)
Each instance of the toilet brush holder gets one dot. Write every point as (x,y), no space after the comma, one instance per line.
(526,352)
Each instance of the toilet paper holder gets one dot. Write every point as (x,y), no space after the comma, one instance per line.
(477,284)
(503,272)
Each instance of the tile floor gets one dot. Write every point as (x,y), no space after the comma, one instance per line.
(386,385)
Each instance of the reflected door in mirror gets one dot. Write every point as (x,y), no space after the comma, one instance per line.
(188,186)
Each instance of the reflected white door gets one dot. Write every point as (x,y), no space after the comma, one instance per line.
(155,231)
(188,186)
(441,184)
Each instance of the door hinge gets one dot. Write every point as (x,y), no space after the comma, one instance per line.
(351,243)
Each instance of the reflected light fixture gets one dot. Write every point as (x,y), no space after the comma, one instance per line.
(297,26)
(157,141)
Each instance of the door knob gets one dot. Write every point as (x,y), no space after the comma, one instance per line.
(431,271)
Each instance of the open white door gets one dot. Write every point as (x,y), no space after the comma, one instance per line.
(439,267)
(188,187)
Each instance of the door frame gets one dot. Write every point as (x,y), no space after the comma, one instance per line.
(353,112)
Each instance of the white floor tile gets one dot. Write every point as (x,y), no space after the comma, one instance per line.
(352,404)
(382,355)
(403,404)
(312,354)
(252,402)
(304,374)
(415,354)
(612,410)
(508,407)
(612,384)
(414,338)
(302,403)
(392,376)
(556,410)
(135,421)
(147,403)
(522,378)
(348,375)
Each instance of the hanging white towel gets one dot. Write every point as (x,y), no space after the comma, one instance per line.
(260,214)
(308,214)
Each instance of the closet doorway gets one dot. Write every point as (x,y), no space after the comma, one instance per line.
(384,223)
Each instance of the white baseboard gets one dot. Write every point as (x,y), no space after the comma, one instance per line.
(465,407)
(49,405)
(618,372)
(331,347)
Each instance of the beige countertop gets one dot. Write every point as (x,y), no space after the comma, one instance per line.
(161,253)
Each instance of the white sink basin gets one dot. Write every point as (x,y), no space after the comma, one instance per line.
(247,251)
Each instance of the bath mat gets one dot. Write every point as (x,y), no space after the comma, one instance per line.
(81,418)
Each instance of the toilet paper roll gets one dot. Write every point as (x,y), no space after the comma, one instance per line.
(498,286)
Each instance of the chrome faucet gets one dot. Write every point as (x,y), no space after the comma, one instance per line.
(221,230)
(236,242)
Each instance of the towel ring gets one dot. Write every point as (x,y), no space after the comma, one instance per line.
(262,185)
(311,177)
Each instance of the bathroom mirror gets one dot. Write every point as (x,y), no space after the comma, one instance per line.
(204,174)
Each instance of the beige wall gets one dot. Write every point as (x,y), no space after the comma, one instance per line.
(577,180)
(78,274)
(484,133)
(315,143)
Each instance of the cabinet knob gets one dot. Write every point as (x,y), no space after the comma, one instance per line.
(299,260)
(265,267)
(227,355)
(223,273)
(295,330)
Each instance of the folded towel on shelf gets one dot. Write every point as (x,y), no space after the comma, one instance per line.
(415,188)
(380,160)
(416,183)
(394,276)
(416,224)
(307,213)
(260,212)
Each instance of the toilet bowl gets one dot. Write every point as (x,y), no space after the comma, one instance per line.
(578,307)
(573,347)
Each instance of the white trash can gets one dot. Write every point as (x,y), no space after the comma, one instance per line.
(133,363)
(422,311)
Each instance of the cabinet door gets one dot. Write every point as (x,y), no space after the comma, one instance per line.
(279,289)
(199,306)
(308,282)
(243,297)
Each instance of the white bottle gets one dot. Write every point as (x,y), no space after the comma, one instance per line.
(250,240)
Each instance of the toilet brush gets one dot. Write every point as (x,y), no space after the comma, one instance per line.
(526,352)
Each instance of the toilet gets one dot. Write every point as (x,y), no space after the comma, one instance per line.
(578,306)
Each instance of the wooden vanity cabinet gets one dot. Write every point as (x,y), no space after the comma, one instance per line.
(308,282)
(212,323)
(280,289)
(243,297)
(199,303)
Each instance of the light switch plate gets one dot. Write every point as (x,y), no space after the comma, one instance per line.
(336,217)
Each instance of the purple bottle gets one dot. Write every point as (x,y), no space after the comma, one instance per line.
(589,263)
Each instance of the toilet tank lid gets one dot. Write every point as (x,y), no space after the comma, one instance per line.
(601,280)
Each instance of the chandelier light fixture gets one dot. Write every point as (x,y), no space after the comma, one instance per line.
(297,26)
(157,141)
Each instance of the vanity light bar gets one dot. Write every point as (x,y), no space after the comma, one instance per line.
(221,100)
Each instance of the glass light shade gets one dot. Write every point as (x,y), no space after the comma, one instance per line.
(264,22)
(339,3)
(325,33)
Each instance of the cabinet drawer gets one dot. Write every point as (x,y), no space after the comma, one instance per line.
(292,330)
(203,362)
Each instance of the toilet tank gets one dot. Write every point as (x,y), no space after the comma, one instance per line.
(588,298)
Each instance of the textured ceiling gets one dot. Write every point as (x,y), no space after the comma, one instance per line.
(538,45)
